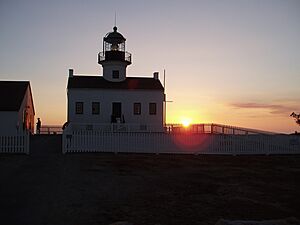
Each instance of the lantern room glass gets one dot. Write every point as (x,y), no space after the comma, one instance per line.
(114,46)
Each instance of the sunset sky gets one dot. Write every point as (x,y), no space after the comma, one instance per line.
(234,62)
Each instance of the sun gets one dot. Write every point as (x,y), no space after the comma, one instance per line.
(186,122)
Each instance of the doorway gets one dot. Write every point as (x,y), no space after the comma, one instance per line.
(116,109)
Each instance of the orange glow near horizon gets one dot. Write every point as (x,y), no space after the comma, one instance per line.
(223,113)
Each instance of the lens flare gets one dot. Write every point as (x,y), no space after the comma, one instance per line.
(186,122)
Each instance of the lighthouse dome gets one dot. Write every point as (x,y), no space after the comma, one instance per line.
(114,37)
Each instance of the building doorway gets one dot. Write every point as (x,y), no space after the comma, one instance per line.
(117,110)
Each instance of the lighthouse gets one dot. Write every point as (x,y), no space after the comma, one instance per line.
(115,101)
(114,58)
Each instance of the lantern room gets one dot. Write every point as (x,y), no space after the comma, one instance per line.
(114,48)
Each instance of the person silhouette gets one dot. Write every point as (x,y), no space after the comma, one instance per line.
(38,126)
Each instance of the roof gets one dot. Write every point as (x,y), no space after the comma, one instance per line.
(12,94)
(114,37)
(130,83)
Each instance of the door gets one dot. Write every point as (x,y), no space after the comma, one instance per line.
(117,109)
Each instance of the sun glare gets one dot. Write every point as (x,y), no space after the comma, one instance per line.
(186,122)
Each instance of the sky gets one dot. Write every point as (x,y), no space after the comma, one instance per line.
(234,62)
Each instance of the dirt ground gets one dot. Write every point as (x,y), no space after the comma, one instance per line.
(146,189)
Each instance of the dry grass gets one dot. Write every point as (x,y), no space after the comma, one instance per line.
(146,189)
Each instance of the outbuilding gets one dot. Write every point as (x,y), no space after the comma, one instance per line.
(16,107)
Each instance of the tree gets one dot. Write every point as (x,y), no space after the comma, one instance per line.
(296,117)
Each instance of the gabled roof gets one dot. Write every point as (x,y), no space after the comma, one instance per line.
(130,83)
(12,94)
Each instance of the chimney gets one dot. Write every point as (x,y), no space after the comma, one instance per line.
(71,72)
(155,75)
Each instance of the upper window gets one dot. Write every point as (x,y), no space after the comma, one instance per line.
(79,108)
(137,108)
(152,108)
(95,108)
(115,74)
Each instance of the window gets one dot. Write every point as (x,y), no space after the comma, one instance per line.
(137,108)
(152,108)
(115,74)
(79,108)
(96,108)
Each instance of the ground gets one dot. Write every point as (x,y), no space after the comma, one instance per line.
(51,188)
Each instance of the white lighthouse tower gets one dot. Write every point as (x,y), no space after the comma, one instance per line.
(114,58)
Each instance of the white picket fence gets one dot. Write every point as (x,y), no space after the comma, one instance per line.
(18,143)
(179,143)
